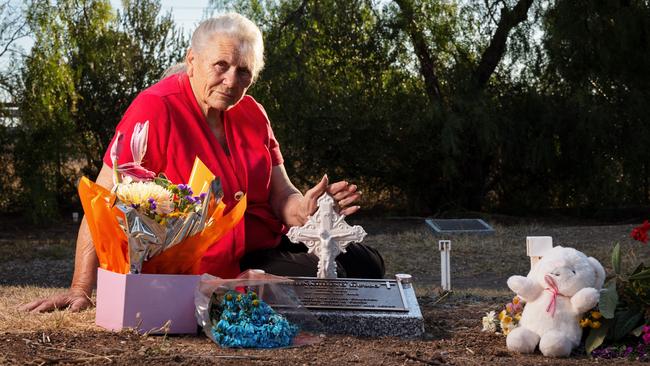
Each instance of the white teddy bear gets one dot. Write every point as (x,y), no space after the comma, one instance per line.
(559,289)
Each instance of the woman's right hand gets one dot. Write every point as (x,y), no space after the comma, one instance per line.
(73,300)
(77,298)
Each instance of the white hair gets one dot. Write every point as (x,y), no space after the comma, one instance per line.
(236,26)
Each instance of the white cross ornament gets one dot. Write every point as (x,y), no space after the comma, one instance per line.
(536,246)
(326,235)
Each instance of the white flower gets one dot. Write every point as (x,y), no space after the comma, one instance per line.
(489,322)
(139,194)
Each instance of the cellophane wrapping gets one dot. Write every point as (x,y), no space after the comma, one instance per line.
(236,312)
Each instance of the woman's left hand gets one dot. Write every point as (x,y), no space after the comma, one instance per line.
(293,208)
(344,194)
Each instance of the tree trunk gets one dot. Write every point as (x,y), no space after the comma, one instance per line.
(494,52)
(424,54)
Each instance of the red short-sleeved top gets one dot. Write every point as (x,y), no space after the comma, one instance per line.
(178,132)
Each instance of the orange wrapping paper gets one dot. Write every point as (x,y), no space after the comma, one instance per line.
(111,242)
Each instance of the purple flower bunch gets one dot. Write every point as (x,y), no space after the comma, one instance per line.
(640,352)
(184,197)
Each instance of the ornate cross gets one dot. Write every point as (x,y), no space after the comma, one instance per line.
(326,234)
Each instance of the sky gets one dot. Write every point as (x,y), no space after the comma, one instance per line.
(187,13)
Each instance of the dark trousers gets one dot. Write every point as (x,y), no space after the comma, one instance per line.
(289,259)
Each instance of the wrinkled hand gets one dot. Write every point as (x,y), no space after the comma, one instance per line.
(73,300)
(344,194)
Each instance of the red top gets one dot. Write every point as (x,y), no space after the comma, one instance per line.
(178,132)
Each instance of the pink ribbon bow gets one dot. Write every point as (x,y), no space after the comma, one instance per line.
(552,288)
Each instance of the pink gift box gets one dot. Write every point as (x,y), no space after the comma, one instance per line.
(146,301)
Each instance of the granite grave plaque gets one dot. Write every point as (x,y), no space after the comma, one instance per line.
(349,294)
(360,307)
(356,306)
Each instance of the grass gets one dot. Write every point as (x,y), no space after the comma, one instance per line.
(27,249)
(485,261)
(13,320)
(480,264)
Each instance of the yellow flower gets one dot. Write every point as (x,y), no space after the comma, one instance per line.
(596,314)
(515,300)
(139,193)
(518,317)
(502,314)
(585,323)
(506,319)
(595,324)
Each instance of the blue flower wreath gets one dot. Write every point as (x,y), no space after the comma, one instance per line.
(248,322)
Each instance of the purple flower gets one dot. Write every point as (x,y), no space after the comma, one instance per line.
(135,205)
(606,352)
(628,351)
(189,199)
(646,329)
(202,196)
(152,203)
(185,188)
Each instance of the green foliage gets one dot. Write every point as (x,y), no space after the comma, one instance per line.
(597,336)
(623,304)
(84,69)
(616,258)
(596,53)
(608,301)
(383,93)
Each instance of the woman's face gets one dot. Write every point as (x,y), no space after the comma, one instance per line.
(219,74)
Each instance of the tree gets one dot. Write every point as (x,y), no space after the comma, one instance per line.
(81,75)
(598,54)
(12,29)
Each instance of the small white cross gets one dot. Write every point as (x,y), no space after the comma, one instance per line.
(326,234)
(536,246)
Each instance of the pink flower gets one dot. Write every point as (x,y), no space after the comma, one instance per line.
(133,169)
(646,338)
(116,149)
(139,141)
(136,171)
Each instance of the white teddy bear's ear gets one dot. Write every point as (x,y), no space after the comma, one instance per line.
(600,272)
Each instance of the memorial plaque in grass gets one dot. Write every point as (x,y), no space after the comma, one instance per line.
(459,226)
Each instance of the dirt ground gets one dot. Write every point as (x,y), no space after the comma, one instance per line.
(480,267)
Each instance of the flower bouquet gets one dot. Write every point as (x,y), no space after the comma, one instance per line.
(506,320)
(148,224)
(623,315)
(236,312)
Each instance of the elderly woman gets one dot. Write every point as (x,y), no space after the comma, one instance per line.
(204,111)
